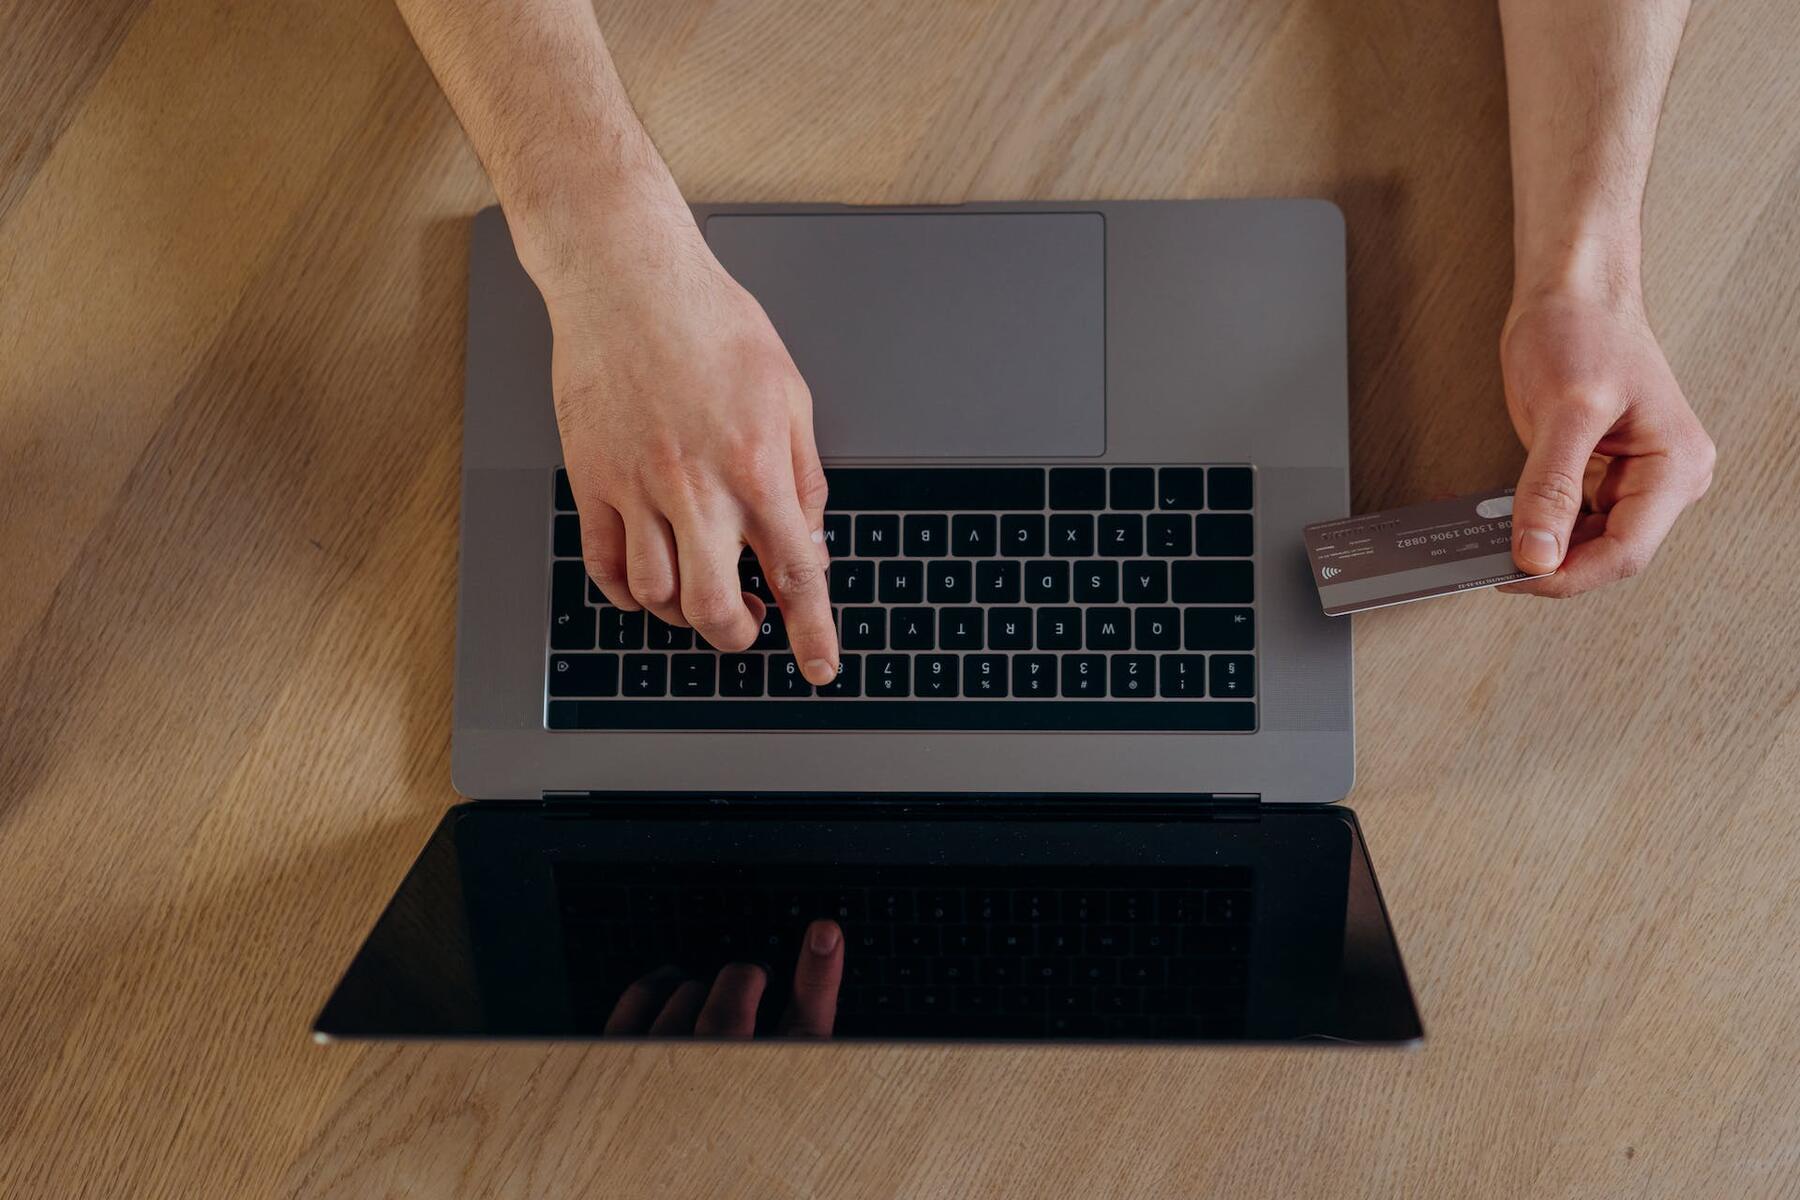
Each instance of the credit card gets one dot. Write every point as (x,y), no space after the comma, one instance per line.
(1413,553)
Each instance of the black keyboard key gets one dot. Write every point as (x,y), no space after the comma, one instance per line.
(1228,908)
(621,630)
(877,536)
(1154,941)
(837,534)
(936,675)
(949,582)
(1048,972)
(984,676)
(887,675)
(1108,629)
(1158,629)
(1121,535)
(568,586)
(1081,905)
(934,489)
(1009,628)
(974,535)
(566,543)
(1047,582)
(1133,488)
(771,634)
(565,496)
(1224,535)
(990,905)
(595,595)
(1212,583)
(1183,676)
(751,579)
(1022,535)
(1133,676)
(1233,676)
(1077,487)
(1145,582)
(645,675)
(1096,583)
(1071,534)
(742,674)
(693,674)
(1059,629)
(997,582)
(849,677)
(927,536)
(1128,908)
(1219,629)
(891,904)
(1181,488)
(1034,675)
(961,629)
(952,971)
(1167,535)
(902,582)
(1093,970)
(1084,675)
(659,635)
(912,629)
(941,905)
(1229,487)
(584,674)
(785,678)
(573,629)
(1108,939)
(852,581)
(865,629)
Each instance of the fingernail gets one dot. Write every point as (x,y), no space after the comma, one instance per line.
(818,535)
(1539,549)
(817,670)
(822,939)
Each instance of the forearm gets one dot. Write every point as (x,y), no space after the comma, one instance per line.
(1585,83)
(537,94)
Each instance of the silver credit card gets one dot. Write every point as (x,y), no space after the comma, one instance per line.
(1413,553)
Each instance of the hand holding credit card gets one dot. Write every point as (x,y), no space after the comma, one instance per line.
(1413,553)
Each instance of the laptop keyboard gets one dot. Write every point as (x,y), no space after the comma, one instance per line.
(1106,598)
(934,951)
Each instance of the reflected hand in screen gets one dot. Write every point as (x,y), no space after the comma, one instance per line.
(665,1003)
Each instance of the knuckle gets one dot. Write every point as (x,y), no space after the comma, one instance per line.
(711,608)
(1556,488)
(811,486)
(796,577)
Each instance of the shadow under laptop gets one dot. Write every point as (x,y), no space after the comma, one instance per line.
(812,919)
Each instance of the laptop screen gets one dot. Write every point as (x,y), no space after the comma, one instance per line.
(906,922)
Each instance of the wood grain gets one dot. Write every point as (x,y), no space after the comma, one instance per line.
(231,303)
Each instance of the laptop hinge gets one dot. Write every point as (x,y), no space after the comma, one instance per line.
(888,804)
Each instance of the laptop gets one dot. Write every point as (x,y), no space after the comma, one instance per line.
(1079,776)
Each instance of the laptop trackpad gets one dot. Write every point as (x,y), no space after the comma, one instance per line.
(927,334)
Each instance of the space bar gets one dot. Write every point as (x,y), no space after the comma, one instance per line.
(931,489)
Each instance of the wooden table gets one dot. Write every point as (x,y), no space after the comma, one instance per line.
(232,278)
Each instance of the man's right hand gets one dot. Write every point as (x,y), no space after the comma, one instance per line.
(687,434)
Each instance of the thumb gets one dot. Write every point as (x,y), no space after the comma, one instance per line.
(1548,498)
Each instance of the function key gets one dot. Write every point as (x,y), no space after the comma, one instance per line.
(877,536)
(1233,675)
(973,535)
(837,534)
(1229,487)
(584,674)
(926,536)
(1212,583)
(565,496)
(1022,535)
(567,542)
(1223,535)
(1133,488)
(1181,488)
(1077,487)
(1071,535)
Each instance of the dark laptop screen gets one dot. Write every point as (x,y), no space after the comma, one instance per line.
(945,923)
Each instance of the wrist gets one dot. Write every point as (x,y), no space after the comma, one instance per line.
(1598,261)
(578,216)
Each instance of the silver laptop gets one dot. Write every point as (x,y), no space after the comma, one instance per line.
(1077,778)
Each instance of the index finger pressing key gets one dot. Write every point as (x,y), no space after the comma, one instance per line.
(791,565)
